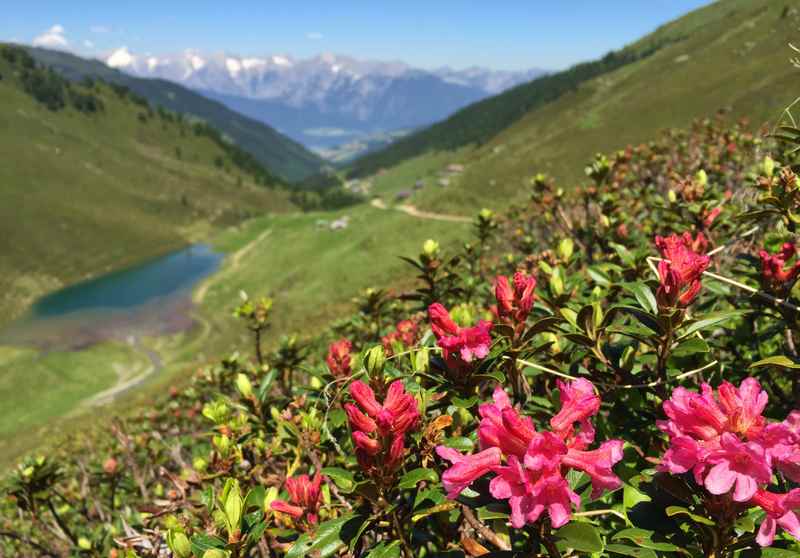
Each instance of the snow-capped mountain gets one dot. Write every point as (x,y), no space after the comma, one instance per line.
(328,99)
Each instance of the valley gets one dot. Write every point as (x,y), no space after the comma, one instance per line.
(276,306)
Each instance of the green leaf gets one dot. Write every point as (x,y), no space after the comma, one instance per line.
(644,296)
(443,507)
(626,550)
(691,346)
(644,318)
(342,478)
(325,541)
(711,320)
(465,403)
(582,537)
(547,323)
(460,443)
(412,478)
(383,550)
(678,510)
(779,360)
(255,498)
(495,510)
(495,375)
(632,496)
(644,538)
(201,543)
(599,276)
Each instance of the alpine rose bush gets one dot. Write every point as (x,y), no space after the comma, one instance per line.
(461,346)
(530,465)
(339,358)
(379,429)
(305,498)
(681,268)
(731,449)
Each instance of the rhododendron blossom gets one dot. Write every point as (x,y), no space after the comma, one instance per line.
(681,269)
(775,275)
(404,334)
(730,448)
(304,498)
(339,358)
(530,465)
(379,429)
(460,345)
(514,302)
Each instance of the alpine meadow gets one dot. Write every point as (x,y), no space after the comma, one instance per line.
(424,281)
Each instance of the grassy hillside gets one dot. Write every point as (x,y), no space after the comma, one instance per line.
(272,149)
(103,181)
(731,55)
(262,260)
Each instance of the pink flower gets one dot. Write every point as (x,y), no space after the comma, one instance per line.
(305,497)
(338,359)
(460,346)
(379,429)
(441,322)
(466,468)
(405,335)
(743,464)
(532,478)
(598,465)
(514,304)
(778,508)
(579,402)
(681,269)
(711,216)
(775,276)
(728,444)
(743,406)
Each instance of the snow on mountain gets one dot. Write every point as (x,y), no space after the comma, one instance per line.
(328,91)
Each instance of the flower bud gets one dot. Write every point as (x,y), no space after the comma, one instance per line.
(566,248)
(216,553)
(222,443)
(701,177)
(179,544)
(421,360)
(768,166)
(430,248)
(374,361)
(110,466)
(244,386)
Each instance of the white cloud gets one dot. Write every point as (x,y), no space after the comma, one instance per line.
(314,36)
(52,38)
(100,29)
(88,44)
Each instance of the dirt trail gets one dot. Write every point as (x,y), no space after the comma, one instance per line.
(235,262)
(414,212)
(107,396)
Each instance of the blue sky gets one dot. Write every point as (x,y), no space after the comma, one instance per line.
(504,34)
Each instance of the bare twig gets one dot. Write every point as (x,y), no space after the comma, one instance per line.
(483,530)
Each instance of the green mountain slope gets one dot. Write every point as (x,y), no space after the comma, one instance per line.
(272,149)
(99,180)
(730,55)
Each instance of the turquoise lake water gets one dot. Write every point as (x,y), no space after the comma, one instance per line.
(147,299)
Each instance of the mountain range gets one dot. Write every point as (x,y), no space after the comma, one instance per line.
(281,155)
(329,99)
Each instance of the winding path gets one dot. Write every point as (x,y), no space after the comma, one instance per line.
(414,212)
(108,395)
(236,260)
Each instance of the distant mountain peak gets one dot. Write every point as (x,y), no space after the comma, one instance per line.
(329,91)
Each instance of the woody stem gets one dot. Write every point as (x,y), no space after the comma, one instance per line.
(407,551)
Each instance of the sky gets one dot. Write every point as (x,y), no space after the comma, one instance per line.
(498,34)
